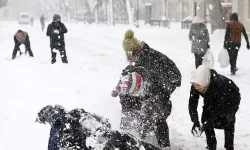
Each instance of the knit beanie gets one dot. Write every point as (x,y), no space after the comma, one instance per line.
(56,17)
(131,83)
(201,76)
(130,43)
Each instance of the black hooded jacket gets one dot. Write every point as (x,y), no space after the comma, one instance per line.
(151,59)
(56,40)
(222,98)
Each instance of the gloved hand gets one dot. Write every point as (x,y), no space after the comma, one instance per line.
(144,108)
(116,92)
(126,70)
(248,46)
(196,130)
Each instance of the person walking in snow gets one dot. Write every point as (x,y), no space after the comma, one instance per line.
(232,40)
(56,31)
(42,21)
(155,105)
(21,37)
(81,130)
(221,102)
(199,37)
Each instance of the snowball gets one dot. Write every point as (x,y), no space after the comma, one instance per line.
(210,6)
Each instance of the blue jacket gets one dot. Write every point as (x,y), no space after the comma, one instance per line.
(53,139)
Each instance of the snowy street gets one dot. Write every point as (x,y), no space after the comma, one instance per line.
(96,59)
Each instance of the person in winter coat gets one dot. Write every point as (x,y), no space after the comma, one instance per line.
(42,21)
(199,37)
(232,40)
(155,105)
(221,102)
(56,31)
(21,37)
(81,130)
(140,54)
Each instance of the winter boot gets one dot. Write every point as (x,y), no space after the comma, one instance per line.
(211,148)
(233,71)
(53,61)
(64,60)
(230,148)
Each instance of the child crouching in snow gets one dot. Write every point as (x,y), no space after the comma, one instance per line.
(81,130)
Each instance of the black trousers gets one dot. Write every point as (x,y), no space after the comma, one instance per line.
(229,137)
(131,103)
(62,54)
(198,59)
(27,49)
(43,26)
(233,50)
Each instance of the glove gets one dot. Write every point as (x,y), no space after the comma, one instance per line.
(144,108)
(116,92)
(248,46)
(196,130)
(126,70)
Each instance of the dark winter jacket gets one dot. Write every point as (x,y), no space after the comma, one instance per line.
(151,59)
(221,101)
(24,40)
(199,37)
(233,33)
(157,92)
(56,40)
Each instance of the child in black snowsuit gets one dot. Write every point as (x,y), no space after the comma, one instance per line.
(56,31)
(21,37)
(80,130)
(154,104)
(221,102)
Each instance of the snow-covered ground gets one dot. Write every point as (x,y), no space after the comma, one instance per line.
(96,59)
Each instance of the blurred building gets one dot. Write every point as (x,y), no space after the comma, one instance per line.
(14,7)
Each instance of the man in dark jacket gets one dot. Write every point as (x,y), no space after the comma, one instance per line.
(56,31)
(80,130)
(155,106)
(221,102)
(233,40)
(42,21)
(21,37)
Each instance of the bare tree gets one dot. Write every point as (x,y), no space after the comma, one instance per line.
(216,14)
(55,6)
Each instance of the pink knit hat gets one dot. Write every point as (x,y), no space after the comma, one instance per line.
(131,83)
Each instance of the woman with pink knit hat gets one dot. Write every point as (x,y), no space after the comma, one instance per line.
(154,105)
